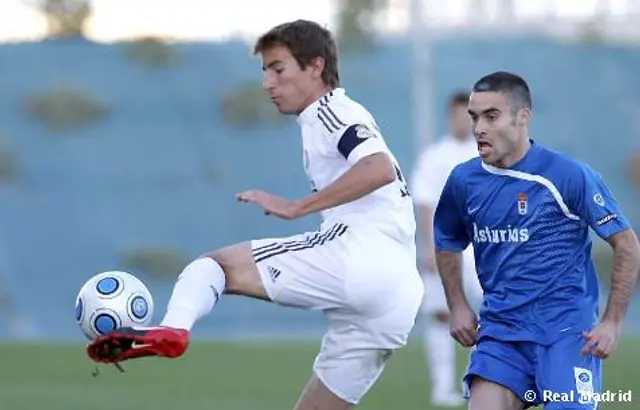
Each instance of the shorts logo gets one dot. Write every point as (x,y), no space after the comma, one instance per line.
(598,199)
(584,384)
(584,377)
(274,273)
(522,203)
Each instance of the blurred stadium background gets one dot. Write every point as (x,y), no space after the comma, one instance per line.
(127,128)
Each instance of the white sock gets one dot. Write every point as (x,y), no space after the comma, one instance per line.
(440,353)
(196,291)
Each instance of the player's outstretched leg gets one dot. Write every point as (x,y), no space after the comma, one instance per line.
(230,270)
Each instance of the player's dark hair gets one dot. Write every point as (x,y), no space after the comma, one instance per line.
(305,40)
(458,98)
(512,85)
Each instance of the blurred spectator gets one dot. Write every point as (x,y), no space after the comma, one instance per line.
(430,175)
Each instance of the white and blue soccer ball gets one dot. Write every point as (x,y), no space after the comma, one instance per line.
(110,300)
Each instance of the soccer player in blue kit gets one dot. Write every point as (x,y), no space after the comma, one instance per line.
(527,211)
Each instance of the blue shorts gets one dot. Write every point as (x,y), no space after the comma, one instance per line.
(556,375)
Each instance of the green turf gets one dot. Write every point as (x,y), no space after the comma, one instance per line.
(223,376)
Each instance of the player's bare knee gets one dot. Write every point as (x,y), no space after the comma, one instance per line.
(228,260)
(241,272)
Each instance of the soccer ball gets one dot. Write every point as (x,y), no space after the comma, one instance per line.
(110,300)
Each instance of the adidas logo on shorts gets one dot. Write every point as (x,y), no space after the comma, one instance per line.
(274,273)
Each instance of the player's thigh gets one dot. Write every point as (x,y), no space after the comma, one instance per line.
(350,361)
(501,370)
(381,278)
(316,396)
(307,270)
(241,273)
(568,379)
(358,343)
(487,395)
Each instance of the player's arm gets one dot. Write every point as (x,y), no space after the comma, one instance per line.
(451,239)
(371,168)
(450,268)
(598,207)
(626,264)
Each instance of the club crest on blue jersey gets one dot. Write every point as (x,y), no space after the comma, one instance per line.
(598,199)
(522,203)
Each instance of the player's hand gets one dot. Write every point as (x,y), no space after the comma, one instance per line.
(272,204)
(464,326)
(603,339)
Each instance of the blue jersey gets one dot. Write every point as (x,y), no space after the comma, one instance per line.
(529,226)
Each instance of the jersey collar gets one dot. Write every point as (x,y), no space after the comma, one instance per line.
(531,153)
(310,113)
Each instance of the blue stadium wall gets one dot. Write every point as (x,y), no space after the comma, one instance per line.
(164,167)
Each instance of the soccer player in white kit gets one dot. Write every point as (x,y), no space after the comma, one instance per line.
(359,267)
(429,178)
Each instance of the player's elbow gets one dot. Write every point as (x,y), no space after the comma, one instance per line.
(626,243)
(376,169)
(635,249)
(387,177)
(385,171)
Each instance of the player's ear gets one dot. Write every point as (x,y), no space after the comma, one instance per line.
(524,116)
(317,67)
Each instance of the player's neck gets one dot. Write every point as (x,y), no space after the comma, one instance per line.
(315,96)
(520,152)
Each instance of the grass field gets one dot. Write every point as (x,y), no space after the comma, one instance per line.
(224,376)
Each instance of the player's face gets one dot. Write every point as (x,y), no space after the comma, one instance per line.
(496,127)
(459,124)
(291,88)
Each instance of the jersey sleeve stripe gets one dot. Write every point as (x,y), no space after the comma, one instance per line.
(324,105)
(534,178)
(323,113)
(328,117)
(325,123)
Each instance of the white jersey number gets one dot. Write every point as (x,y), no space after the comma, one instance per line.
(404,188)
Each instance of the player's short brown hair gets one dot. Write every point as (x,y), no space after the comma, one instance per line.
(512,85)
(305,40)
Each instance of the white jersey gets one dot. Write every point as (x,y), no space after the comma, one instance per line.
(336,133)
(434,166)
(359,267)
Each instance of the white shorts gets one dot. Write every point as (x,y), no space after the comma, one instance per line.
(434,298)
(366,283)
